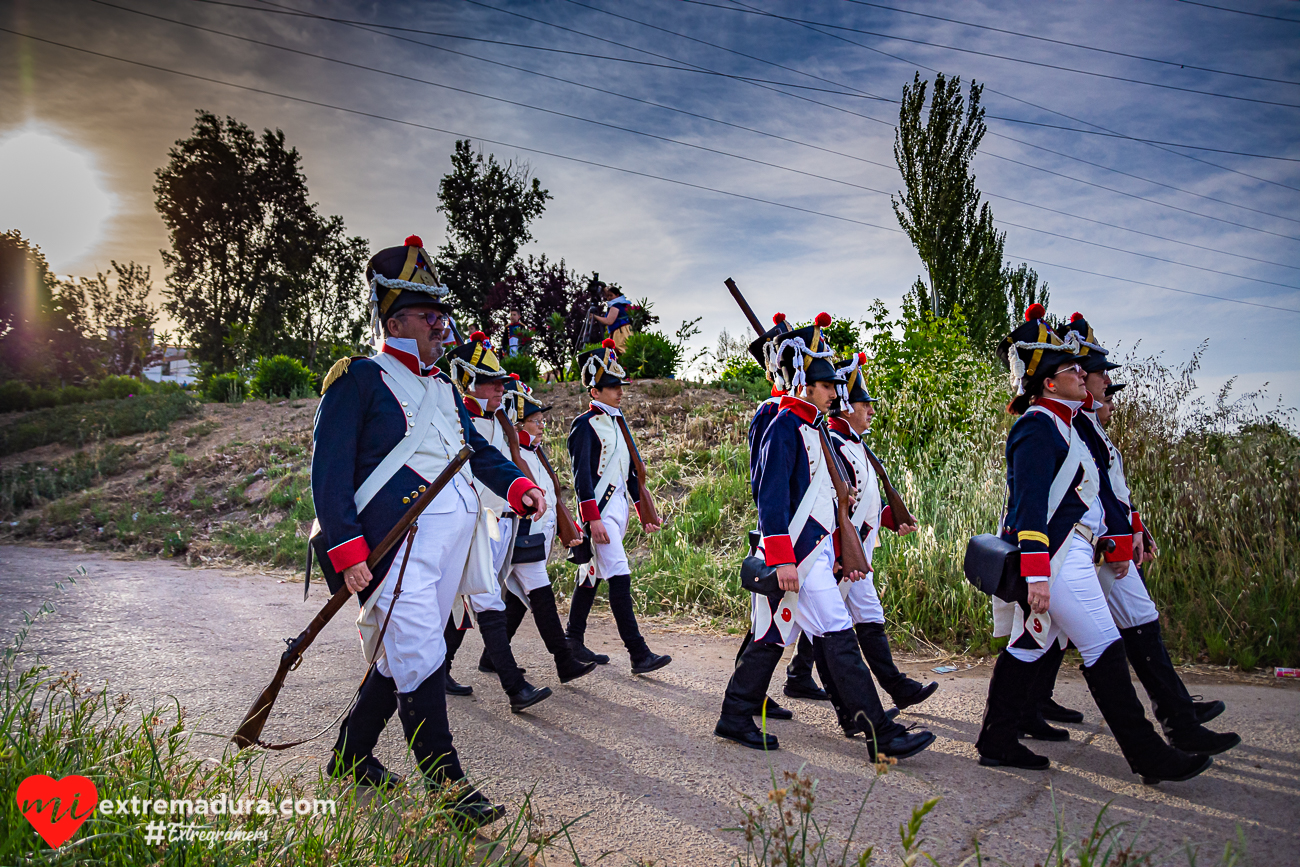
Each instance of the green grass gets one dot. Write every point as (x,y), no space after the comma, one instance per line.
(85,423)
(32,483)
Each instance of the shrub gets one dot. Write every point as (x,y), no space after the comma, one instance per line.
(650,355)
(226,388)
(14,396)
(118,387)
(282,376)
(524,365)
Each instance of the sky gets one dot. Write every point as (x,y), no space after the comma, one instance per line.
(687,142)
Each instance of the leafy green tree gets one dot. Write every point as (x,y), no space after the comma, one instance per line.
(113,315)
(488,207)
(26,296)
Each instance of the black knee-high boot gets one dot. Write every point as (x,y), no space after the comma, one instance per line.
(453,637)
(875,648)
(745,695)
(853,684)
(1032,722)
(579,609)
(1171,702)
(1008,692)
(492,625)
(846,721)
(1045,686)
(353,752)
(799,681)
(423,714)
(1146,752)
(644,660)
(547,618)
(515,612)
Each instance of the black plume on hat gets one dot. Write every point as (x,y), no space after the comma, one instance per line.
(766,344)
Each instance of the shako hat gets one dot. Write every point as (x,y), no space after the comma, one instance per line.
(598,367)
(474,361)
(1092,357)
(1115,387)
(854,388)
(1032,352)
(803,356)
(401,277)
(519,402)
(764,348)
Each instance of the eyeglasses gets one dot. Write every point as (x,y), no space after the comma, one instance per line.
(1073,368)
(435,320)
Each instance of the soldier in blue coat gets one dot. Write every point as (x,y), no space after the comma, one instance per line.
(605,482)
(386,426)
(1056,515)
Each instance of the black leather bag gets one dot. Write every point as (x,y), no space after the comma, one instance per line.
(529,549)
(758,577)
(992,565)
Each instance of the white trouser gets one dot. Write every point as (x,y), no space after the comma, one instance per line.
(861,600)
(1078,608)
(610,559)
(496,601)
(1130,604)
(524,578)
(413,645)
(821,607)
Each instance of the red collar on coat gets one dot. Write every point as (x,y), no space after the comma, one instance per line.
(475,408)
(800,407)
(412,362)
(841,427)
(776,392)
(1060,410)
(525,439)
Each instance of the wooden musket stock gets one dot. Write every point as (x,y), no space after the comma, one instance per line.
(853,557)
(250,730)
(566,528)
(646,507)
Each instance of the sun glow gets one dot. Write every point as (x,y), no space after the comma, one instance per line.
(51,191)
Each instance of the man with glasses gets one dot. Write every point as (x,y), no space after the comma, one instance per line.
(387,425)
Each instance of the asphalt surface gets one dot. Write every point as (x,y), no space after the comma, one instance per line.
(635,757)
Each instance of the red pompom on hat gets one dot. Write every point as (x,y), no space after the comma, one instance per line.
(608,343)
(1035,311)
(514,376)
(778,319)
(1076,316)
(823,319)
(414,241)
(478,336)
(862,358)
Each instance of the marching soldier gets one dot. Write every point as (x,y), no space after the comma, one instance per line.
(528,585)
(1056,515)
(797,520)
(605,481)
(1130,604)
(477,373)
(386,426)
(847,425)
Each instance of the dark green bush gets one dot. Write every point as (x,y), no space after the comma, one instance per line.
(16,396)
(282,376)
(524,365)
(225,388)
(650,355)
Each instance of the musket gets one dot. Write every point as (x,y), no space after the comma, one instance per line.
(853,557)
(896,507)
(566,527)
(646,507)
(250,730)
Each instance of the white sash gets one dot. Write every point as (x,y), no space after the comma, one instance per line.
(616,470)
(812,498)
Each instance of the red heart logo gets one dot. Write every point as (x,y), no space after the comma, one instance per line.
(56,808)
(785,614)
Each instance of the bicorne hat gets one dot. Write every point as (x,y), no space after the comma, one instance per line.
(854,389)
(402,277)
(598,367)
(473,362)
(1092,357)
(803,356)
(764,348)
(1033,352)
(519,402)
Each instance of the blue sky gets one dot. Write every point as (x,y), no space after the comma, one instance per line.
(675,244)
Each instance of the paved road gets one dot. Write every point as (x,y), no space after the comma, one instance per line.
(637,754)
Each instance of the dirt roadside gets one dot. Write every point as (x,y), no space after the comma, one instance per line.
(635,757)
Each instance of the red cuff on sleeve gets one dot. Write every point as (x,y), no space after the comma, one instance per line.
(777,550)
(350,553)
(589,510)
(887,519)
(639,516)
(1123,549)
(1035,565)
(1136,520)
(515,495)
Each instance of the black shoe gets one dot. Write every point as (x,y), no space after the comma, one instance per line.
(1039,730)
(804,688)
(527,696)
(1199,739)
(368,773)
(772,710)
(919,696)
(1016,756)
(742,730)
(582,654)
(1188,765)
(1207,710)
(647,664)
(905,745)
(454,688)
(474,810)
(574,670)
(1056,713)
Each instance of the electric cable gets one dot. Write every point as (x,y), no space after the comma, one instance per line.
(1241,11)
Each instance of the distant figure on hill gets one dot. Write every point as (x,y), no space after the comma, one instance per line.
(514,331)
(615,318)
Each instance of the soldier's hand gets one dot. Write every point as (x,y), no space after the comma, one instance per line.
(534,499)
(787,577)
(650,528)
(904,529)
(358,577)
(1120,569)
(576,542)
(855,576)
(599,534)
(1039,597)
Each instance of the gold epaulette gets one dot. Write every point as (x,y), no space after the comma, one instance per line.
(340,367)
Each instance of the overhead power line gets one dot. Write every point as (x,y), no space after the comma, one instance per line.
(635,172)
(1241,12)
(1079,45)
